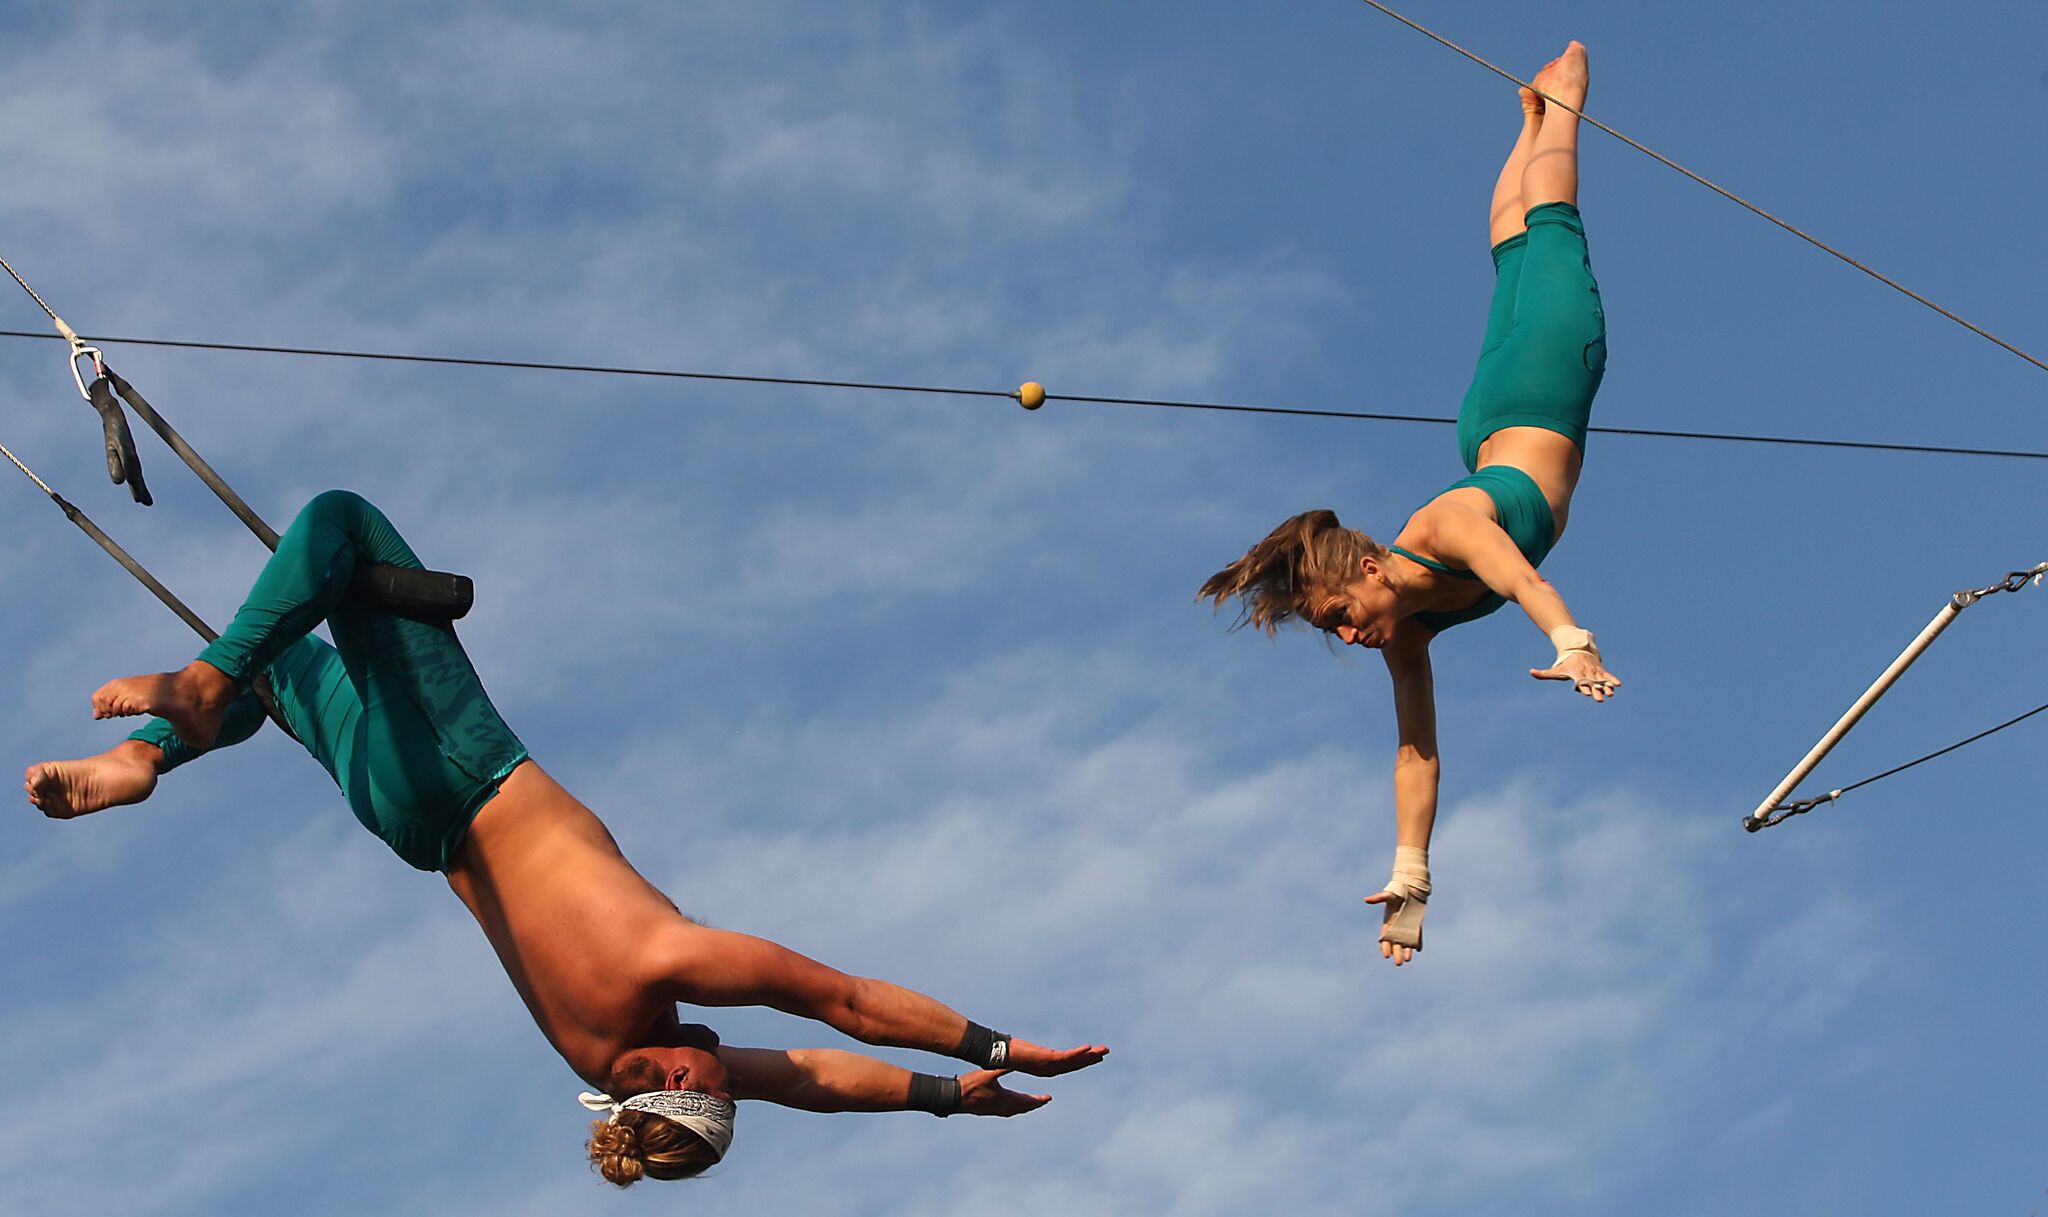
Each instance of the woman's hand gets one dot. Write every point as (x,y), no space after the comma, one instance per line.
(1584,669)
(1401,928)
(982,1094)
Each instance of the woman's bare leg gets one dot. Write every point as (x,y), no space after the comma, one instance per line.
(1505,218)
(1552,172)
(124,774)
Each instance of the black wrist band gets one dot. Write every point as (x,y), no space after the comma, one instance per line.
(932,1093)
(980,1046)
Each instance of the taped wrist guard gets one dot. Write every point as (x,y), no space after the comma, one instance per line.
(937,1095)
(980,1046)
(1411,873)
(1410,882)
(1569,638)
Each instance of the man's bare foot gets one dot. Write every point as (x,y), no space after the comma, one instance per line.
(64,789)
(1564,77)
(1532,106)
(192,700)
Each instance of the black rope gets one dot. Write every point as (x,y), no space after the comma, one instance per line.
(1866,445)
(1800,807)
(1730,195)
(801,381)
(1945,751)
(520,364)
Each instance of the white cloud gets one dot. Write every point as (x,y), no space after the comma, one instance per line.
(1049,815)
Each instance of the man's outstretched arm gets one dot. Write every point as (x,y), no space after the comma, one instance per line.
(824,1079)
(708,967)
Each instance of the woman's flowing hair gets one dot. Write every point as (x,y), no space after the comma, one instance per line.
(1308,553)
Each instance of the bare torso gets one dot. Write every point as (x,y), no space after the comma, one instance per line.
(570,919)
(1552,460)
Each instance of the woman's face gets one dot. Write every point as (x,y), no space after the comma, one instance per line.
(1358,614)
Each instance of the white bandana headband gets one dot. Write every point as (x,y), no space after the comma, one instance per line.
(709,1118)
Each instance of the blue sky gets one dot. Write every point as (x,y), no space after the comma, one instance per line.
(917,685)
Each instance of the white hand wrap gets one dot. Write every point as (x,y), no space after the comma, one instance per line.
(1410,883)
(1411,873)
(1569,638)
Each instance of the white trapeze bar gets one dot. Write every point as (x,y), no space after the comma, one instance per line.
(1763,817)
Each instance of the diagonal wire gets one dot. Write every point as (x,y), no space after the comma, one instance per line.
(1725,193)
(1803,806)
(1226,407)
(31,291)
(2015,720)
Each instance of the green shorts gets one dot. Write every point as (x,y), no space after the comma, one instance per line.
(1546,336)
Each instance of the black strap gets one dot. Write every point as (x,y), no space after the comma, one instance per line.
(937,1095)
(422,594)
(980,1046)
(170,600)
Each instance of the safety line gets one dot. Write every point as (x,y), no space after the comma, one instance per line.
(1011,394)
(31,293)
(1725,193)
(523,365)
(1941,751)
(1802,806)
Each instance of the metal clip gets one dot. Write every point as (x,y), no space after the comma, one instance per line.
(99,366)
(80,349)
(2017,580)
(2014,581)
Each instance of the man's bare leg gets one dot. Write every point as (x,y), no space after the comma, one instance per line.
(192,700)
(124,774)
(1552,174)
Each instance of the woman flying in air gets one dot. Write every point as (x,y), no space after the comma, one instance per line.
(1476,545)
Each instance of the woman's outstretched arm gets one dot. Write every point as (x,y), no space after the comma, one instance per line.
(708,967)
(1416,775)
(1477,543)
(828,1080)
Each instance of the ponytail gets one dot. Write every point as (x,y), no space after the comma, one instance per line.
(1272,582)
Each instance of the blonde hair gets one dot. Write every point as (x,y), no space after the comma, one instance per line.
(1273,581)
(641,1144)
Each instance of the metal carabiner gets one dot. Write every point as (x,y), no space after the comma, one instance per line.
(79,350)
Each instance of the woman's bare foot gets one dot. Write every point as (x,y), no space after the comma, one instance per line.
(1564,77)
(192,700)
(1532,106)
(115,778)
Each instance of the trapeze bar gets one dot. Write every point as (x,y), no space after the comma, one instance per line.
(1758,818)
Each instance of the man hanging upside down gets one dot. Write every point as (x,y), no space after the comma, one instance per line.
(395,713)
(1476,545)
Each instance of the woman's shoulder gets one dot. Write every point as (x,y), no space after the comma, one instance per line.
(1452,511)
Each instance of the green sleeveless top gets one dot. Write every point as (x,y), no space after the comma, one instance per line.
(1522,512)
